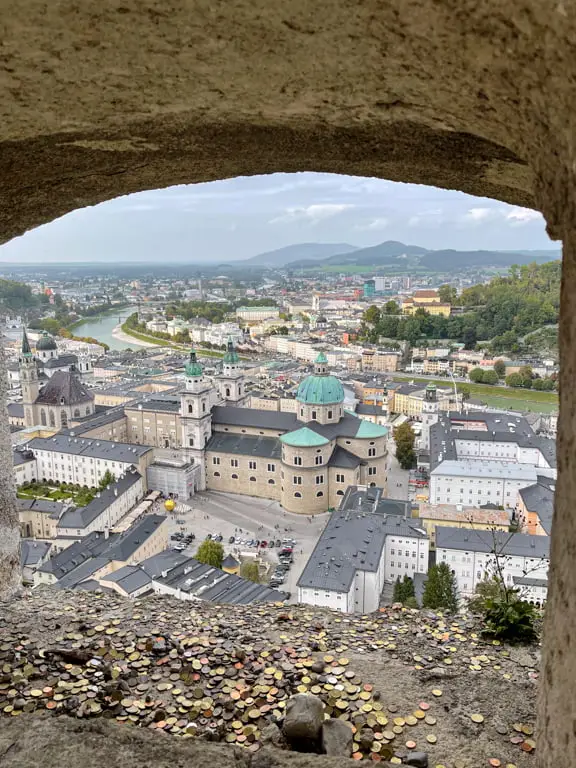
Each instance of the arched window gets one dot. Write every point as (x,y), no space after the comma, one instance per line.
(189,407)
(372,485)
(227,391)
(43,417)
(216,474)
(52,419)
(339,493)
(271,482)
(298,495)
(234,477)
(63,419)
(76,413)
(320,493)
(301,411)
(252,479)
(88,411)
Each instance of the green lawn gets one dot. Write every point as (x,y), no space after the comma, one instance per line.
(53,493)
(503,397)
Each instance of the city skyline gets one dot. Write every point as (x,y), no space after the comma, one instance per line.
(235,219)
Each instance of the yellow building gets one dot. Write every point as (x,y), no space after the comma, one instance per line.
(407,399)
(427,300)
(458,516)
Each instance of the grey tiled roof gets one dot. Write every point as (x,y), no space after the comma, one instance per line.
(354,538)
(344,459)
(32,551)
(539,498)
(16,410)
(246,445)
(65,388)
(81,517)
(90,447)
(52,508)
(212,584)
(468,540)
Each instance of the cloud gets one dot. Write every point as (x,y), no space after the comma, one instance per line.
(479,214)
(430,218)
(518,216)
(375,224)
(313,213)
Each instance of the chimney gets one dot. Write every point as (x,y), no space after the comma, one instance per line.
(106,532)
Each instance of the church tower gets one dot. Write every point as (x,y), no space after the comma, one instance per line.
(28,381)
(231,382)
(429,415)
(195,414)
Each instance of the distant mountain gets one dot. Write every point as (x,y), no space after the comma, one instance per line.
(395,255)
(299,252)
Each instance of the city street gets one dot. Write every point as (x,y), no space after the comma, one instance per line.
(247,517)
(397,477)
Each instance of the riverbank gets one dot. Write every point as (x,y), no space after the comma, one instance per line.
(120,335)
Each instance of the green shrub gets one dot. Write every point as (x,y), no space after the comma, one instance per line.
(513,621)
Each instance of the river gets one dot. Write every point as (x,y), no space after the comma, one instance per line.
(101,328)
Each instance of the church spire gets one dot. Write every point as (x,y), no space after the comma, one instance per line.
(26,351)
(231,355)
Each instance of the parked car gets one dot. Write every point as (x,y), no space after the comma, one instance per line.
(219,537)
(263,544)
(278,543)
(181,522)
(231,540)
(208,536)
(180,547)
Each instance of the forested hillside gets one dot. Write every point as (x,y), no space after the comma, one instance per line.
(501,311)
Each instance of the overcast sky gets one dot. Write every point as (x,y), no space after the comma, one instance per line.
(239,218)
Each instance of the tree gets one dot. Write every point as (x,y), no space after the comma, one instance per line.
(249,570)
(476,375)
(404,590)
(372,315)
(404,438)
(107,479)
(500,368)
(514,380)
(464,390)
(391,308)
(526,372)
(447,294)
(210,553)
(490,377)
(469,338)
(441,590)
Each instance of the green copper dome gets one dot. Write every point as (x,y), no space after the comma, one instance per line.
(322,358)
(231,355)
(320,390)
(303,438)
(45,343)
(193,367)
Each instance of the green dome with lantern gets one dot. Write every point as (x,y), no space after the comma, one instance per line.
(45,343)
(193,367)
(320,388)
(231,355)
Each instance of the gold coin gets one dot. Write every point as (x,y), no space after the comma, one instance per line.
(477,718)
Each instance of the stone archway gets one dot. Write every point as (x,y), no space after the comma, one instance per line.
(476,95)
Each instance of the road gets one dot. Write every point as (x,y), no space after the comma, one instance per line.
(397,477)
(248,517)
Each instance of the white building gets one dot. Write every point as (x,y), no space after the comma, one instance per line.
(256,314)
(475,483)
(471,555)
(368,541)
(85,460)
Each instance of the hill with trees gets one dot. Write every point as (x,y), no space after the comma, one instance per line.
(501,311)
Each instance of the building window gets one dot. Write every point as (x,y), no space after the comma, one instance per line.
(271,467)
(216,474)
(298,461)
(215,460)
(318,459)
(297,480)
(301,411)
(319,479)
(320,493)
(371,451)
(190,408)
(233,462)
(339,478)
(329,414)
(252,465)
(392,551)
(371,470)
(339,493)
(203,406)
(392,564)
(234,477)
(271,482)
(298,495)
(313,414)
(252,479)
(43,417)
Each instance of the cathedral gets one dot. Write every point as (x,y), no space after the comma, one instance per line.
(304,458)
(63,398)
